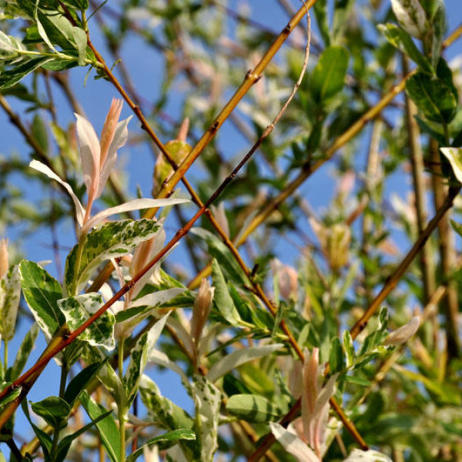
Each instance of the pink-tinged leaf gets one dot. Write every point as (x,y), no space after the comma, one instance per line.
(109,127)
(42,168)
(89,154)
(293,444)
(120,136)
(135,204)
(404,333)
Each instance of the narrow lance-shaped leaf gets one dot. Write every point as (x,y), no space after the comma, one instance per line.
(42,293)
(10,292)
(207,400)
(329,74)
(12,76)
(54,410)
(78,309)
(222,299)
(107,427)
(252,408)
(139,358)
(236,358)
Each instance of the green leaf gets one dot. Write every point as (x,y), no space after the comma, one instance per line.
(348,348)
(222,299)
(10,396)
(107,427)
(218,250)
(433,97)
(65,444)
(10,293)
(400,39)
(329,74)
(78,309)
(110,240)
(39,131)
(457,227)
(45,440)
(54,410)
(12,76)
(321,15)
(23,353)
(78,384)
(42,293)
(336,357)
(357,380)
(252,408)
(164,441)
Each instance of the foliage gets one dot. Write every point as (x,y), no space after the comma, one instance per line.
(346,348)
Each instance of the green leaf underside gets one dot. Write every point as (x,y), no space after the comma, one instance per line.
(42,293)
(111,240)
(78,309)
(54,410)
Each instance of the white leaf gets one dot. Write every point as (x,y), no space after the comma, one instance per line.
(135,204)
(293,444)
(236,358)
(454,155)
(89,152)
(367,456)
(157,298)
(411,16)
(79,210)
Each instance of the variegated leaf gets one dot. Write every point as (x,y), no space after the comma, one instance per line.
(139,358)
(111,240)
(454,156)
(10,292)
(164,412)
(207,400)
(42,293)
(78,309)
